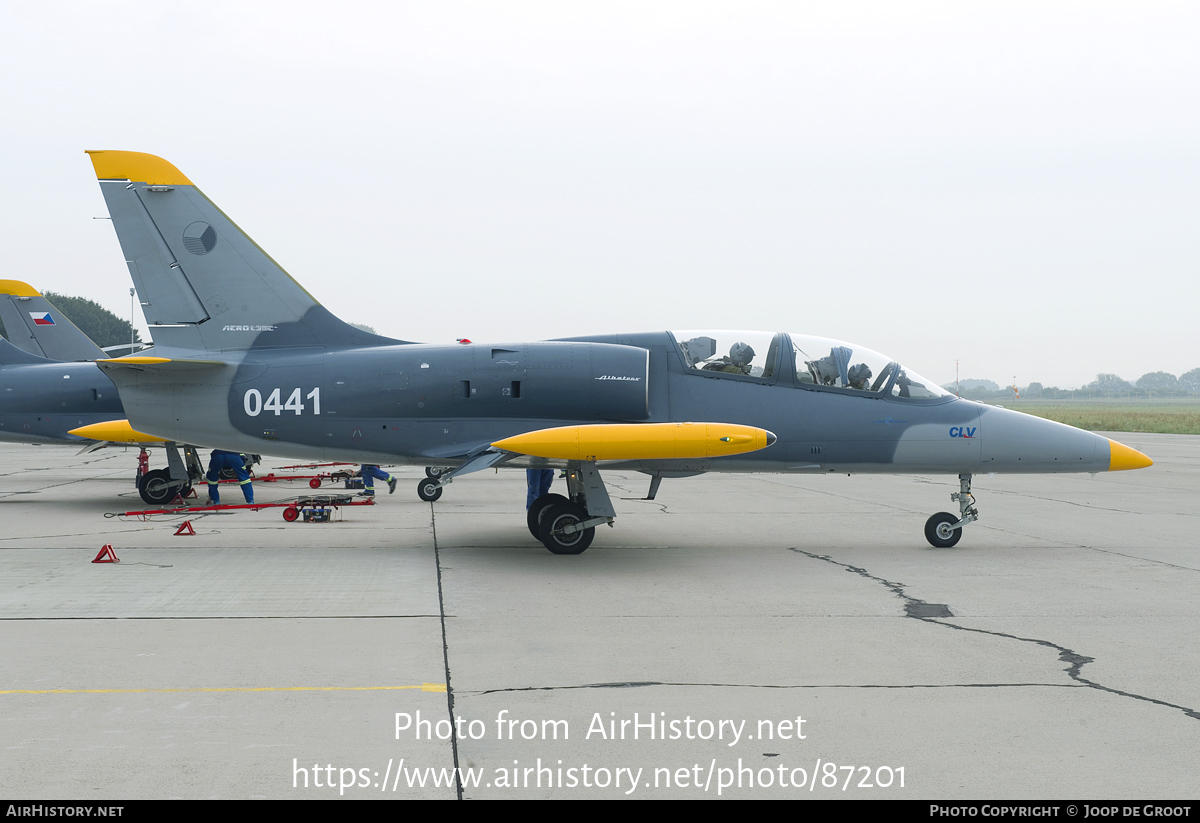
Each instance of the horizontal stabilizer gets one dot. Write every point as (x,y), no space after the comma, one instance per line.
(639,441)
(115,431)
(166,364)
(10,355)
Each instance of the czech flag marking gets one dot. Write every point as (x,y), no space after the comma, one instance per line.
(41,318)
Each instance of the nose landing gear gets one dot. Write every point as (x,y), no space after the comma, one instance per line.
(943,529)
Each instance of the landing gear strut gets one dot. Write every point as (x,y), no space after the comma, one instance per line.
(567,526)
(943,529)
(160,486)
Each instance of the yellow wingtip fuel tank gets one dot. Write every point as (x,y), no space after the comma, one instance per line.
(115,431)
(639,441)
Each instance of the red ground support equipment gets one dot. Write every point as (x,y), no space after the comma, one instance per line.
(314,480)
(292,509)
(107,555)
(185,528)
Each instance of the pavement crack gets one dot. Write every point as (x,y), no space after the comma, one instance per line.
(437,559)
(784,686)
(914,608)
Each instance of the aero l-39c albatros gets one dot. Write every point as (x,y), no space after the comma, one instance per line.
(48,386)
(244,358)
(52,393)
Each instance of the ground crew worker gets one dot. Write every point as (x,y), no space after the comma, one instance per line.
(538,482)
(228,460)
(369,473)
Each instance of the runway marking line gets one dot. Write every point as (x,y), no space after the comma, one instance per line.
(425,687)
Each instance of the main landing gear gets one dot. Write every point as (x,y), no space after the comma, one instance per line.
(943,530)
(160,486)
(567,525)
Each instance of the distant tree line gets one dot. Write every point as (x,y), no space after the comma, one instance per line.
(97,322)
(1151,384)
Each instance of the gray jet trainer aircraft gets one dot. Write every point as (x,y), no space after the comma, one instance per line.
(246,359)
(48,385)
(36,327)
(52,393)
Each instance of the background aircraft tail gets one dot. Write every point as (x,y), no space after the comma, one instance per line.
(203,283)
(36,327)
(10,355)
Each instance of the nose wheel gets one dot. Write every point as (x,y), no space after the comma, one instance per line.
(429,490)
(944,530)
(941,532)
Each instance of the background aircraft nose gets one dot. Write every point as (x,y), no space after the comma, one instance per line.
(1122,458)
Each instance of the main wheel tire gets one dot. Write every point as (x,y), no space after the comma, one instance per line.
(428,490)
(938,531)
(537,509)
(555,518)
(227,474)
(156,488)
(434,472)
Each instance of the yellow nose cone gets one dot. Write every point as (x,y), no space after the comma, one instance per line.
(1122,458)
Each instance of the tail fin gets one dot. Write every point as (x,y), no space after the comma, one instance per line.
(204,284)
(36,327)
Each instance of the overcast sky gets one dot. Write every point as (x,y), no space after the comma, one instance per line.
(1015,186)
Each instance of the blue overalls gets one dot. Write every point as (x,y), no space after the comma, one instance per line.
(228,460)
(369,473)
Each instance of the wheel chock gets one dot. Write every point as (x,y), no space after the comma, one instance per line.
(107,555)
(191,494)
(185,528)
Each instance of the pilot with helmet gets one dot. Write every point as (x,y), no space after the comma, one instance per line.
(737,362)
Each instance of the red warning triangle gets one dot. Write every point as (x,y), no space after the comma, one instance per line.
(185,528)
(107,555)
